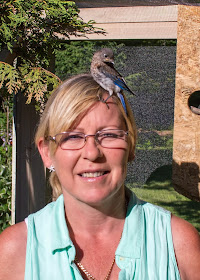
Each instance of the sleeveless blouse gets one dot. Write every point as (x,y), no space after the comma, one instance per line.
(145,251)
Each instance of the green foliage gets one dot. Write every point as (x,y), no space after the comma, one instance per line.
(32,31)
(35,82)
(38,83)
(9,78)
(5,196)
(34,28)
(5,167)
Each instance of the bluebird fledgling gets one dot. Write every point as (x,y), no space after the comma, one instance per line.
(104,73)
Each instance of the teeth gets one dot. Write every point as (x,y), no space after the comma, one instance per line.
(92,175)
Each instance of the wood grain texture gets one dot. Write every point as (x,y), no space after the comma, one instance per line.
(159,22)
(186,144)
(130,14)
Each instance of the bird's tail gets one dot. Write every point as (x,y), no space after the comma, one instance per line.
(121,97)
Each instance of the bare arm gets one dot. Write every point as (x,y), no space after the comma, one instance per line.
(186,241)
(13,252)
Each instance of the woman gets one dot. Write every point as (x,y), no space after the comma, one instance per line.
(97,228)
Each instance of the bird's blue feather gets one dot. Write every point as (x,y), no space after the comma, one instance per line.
(120,83)
(123,102)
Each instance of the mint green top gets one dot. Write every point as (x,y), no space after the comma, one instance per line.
(145,251)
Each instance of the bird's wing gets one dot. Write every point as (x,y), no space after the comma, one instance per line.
(109,71)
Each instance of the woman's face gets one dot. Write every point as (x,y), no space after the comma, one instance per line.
(93,174)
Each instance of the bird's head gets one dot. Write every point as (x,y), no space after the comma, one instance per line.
(105,55)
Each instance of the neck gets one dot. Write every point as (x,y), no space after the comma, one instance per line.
(91,230)
(95,220)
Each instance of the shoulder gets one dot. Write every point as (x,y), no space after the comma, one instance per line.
(13,252)
(186,241)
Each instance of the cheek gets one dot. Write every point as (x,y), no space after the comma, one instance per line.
(119,159)
(63,160)
(119,167)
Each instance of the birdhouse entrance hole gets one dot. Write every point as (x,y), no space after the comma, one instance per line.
(194,102)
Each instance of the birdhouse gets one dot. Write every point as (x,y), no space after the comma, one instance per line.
(186,143)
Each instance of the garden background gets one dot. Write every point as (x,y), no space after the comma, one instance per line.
(149,69)
(148,66)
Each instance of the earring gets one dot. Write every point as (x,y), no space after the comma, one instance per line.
(51,168)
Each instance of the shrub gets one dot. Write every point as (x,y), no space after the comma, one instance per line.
(5,196)
(5,167)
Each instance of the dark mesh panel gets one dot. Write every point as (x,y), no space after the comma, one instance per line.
(150,73)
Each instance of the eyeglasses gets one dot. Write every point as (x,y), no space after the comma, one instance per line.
(107,138)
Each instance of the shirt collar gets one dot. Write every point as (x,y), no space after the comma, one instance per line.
(59,232)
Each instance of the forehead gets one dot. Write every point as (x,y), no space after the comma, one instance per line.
(102,115)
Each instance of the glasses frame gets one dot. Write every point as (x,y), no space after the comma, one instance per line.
(96,135)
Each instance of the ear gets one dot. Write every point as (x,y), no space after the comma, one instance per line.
(43,148)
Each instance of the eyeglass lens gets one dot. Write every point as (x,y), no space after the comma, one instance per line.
(106,138)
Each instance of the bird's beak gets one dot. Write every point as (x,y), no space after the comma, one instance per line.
(109,60)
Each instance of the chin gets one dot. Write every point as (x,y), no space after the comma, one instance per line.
(98,197)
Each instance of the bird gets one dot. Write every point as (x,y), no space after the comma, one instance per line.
(103,72)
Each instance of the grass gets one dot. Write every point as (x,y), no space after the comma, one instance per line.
(159,190)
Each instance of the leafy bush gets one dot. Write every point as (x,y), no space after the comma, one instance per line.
(5,166)
(5,196)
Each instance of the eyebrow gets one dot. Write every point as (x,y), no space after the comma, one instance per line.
(77,129)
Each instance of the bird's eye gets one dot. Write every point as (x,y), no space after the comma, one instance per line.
(105,55)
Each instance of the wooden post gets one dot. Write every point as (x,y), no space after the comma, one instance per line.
(186,149)
(30,173)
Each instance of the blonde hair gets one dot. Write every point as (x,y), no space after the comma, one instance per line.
(66,107)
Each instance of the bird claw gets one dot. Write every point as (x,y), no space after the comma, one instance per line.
(103,100)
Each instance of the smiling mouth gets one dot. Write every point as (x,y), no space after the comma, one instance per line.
(92,174)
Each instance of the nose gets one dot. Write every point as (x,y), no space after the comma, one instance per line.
(92,135)
(92,149)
